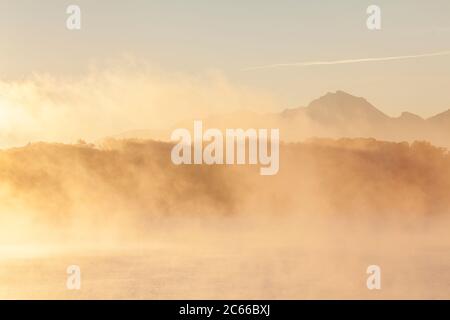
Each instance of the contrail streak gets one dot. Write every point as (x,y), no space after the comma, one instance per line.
(347,61)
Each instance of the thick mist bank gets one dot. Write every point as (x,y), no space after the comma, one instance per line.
(128,186)
(140,227)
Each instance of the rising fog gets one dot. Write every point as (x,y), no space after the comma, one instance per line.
(335,207)
(123,95)
(135,181)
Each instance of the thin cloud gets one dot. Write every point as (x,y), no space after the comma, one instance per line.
(348,61)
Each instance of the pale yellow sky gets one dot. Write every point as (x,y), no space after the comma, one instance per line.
(195,37)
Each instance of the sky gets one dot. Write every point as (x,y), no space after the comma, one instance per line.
(197,37)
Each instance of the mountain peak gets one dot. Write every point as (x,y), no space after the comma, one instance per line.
(340,93)
(342,105)
(341,98)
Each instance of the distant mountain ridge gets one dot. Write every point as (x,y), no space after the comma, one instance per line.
(357,106)
(341,114)
(334,115)
(333,106)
